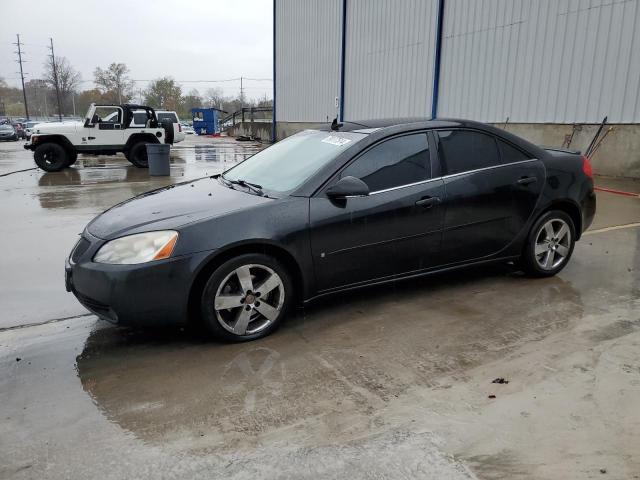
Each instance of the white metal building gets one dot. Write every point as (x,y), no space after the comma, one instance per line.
(532,61)
(559,61)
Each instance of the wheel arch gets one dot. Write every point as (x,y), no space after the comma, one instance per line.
(219,257)
(140,137)
(61,140)
(570,208)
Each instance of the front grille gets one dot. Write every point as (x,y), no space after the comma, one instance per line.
(81,247)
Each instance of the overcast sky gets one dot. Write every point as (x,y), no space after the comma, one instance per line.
(188,40)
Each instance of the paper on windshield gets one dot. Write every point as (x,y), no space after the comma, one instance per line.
(338,141)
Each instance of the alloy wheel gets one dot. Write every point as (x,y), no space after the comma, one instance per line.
(249,299)
(553,244)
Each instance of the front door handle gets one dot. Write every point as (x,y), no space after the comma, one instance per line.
(428,202)
(527,180)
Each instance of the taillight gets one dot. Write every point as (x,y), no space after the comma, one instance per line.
(586,167)
(179,127)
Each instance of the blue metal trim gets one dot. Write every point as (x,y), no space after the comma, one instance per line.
(343,55)
(436,66)
(273,115)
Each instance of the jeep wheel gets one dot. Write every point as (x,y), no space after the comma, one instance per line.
(73,156)
(138,155)
(51,157)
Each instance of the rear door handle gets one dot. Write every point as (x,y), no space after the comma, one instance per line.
(527,180)
(428,202)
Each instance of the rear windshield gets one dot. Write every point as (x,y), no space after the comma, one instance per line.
(167,116)
(286,165)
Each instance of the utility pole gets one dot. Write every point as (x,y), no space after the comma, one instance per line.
(55,78)
(20,61)
(241,94)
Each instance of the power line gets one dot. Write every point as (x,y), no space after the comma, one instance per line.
(20,61)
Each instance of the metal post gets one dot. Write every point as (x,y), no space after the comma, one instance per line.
(55,79)
(343,54)
(436,67)
(273,113)
(24,93)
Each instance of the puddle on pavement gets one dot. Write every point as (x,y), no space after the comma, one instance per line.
(101,181)
(332,371)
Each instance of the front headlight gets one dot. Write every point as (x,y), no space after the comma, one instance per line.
(138,248)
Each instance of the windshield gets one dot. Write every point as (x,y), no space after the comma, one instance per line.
(6,127)
(287,164)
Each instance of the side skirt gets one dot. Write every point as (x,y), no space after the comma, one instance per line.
(396,278)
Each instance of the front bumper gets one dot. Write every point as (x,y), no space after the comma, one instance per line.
(154,293)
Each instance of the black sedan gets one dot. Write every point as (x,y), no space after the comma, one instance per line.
(331,210)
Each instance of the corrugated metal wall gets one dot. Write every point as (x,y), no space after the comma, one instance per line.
(533,61)
(308,46)
(389,58)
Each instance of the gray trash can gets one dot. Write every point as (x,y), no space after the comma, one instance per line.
(158,155)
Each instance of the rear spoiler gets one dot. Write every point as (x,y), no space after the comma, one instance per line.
(560,150)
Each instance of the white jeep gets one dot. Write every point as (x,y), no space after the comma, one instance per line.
(107,130)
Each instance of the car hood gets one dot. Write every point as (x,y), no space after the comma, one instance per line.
(56,127)
(171,207)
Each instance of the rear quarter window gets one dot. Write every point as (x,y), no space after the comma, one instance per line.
(464,150)
(511,154)
(139,118)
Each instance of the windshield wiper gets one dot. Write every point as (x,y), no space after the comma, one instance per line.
(243,183)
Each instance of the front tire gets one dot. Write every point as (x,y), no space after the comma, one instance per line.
(246,298)
(51,157)
(137,155)
(549,245)
(73,156)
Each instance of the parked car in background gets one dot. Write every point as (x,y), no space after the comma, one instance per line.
(320,212)
(8,132)
(19,127)
(29,128)
(188,130)
(139,119)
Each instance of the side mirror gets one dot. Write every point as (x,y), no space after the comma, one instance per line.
(348,187)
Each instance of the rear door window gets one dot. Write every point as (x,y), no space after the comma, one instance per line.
(464,150)
(393,163)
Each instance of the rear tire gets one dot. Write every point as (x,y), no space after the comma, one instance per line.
(258,292)
(51,157)
(549,245)
(73,156)
(138,155)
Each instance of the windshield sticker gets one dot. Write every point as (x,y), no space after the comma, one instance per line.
(338,141)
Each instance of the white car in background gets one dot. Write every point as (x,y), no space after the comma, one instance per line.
(29,128)
(140,118)
(188,129)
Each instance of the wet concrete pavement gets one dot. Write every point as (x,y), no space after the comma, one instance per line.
(391,382)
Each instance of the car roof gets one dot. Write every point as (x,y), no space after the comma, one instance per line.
(425,122)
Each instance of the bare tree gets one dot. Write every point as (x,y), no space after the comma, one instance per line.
(68,78)
(214,98)
(114,82)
